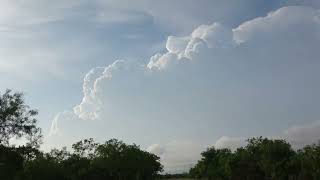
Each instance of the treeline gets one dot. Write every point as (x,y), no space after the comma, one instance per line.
(88,161)
(260,159)
(112,160)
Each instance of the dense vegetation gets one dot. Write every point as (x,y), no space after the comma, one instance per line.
(110,160)
(262,158)
(87,161)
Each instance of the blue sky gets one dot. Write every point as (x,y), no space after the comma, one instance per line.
(173,76)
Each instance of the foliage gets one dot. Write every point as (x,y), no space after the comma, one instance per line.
(89,160)
(110,160)
(262,158)
(17,119)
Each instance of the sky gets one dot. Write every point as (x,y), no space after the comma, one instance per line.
(174,76)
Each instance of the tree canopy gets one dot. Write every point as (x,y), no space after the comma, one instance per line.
(17,119)
(261,158)
(112,160)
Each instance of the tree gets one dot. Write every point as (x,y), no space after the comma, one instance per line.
(310,161)
(215,164)
(117,160)
(85,148)
(42,167)
(17,119)
(272,156)
(245,166)
(262,158)
(112,160)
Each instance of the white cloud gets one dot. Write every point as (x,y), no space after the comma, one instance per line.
(177,44)
(17,17)
(230,142)
(183,17)
(63,131)
(215,35)
(156,149)
(203,39)
(302,135)
(295,18)
(177,156)
(249,72)
(298,136)
(186,17)
(180,50)
(18,13)
(118,16)
(102,79)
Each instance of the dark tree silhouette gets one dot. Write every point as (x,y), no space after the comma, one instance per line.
(17,119)
(260,159)
(112,160)
(89,160)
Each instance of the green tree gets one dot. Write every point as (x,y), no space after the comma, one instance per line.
(215,164)
(272,156)
(42,167)
(85,148)
(121,161)
(261,158)
(310,161)
(245,166)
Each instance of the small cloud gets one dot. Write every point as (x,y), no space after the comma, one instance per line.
(179,156)
(302,135)
(232,143)
(122,16)
(156,149)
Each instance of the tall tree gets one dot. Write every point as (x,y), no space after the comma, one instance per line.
(17,119)
(310,161)
(272,155)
